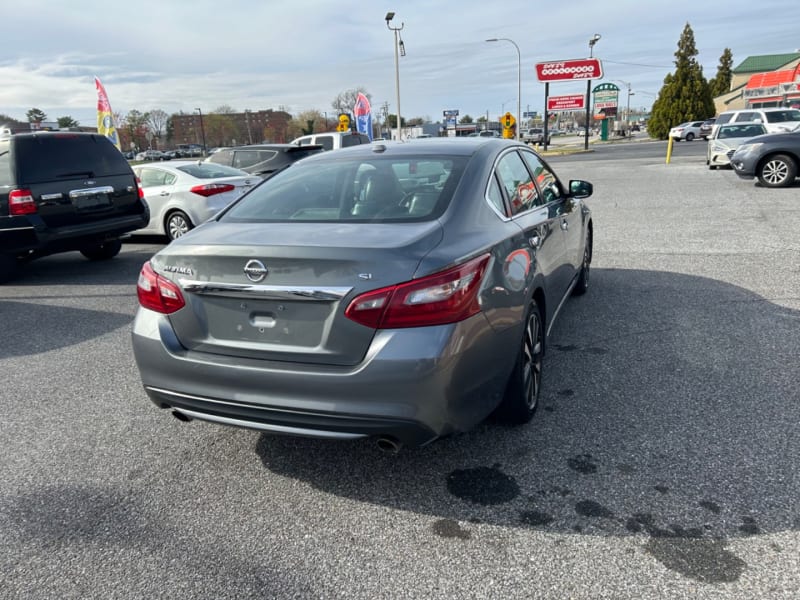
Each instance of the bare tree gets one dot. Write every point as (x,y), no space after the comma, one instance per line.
(157,122)
(345,101)
(225,109)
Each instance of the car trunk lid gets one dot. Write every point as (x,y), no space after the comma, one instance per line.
(280,291)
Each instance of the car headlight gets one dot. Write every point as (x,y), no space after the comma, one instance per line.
(747,148)
(718,148)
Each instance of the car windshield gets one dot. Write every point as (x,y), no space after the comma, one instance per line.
(211,171)
(369,189)
(740,131)
(782,116)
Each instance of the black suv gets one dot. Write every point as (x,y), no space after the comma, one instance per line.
(62,191)
(262,159)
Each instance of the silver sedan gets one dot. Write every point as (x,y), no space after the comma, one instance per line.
(183,194)
(401,291)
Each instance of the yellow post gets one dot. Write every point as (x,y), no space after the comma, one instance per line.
(669,149)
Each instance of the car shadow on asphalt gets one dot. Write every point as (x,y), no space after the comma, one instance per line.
(669,412)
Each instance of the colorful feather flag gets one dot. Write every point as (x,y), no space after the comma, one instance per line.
(105,119)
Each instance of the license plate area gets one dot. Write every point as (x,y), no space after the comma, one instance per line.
(93,202)
(91,199)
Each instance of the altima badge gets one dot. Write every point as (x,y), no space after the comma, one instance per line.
(255,270)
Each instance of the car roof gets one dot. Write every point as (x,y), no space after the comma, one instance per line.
(458,146)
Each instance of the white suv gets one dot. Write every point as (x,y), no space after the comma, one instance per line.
(775,119)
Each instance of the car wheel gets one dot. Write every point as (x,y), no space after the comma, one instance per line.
(582,286)
(102,251)
(177,224)
(523,389)
(778,171)
(8,267)
(689,137)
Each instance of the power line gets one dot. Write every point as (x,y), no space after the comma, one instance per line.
(614,62)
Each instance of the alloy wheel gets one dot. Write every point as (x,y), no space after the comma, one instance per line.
(177,226)
(775,171)
(532,357)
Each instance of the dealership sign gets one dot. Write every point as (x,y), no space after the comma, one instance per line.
(569,102)
(569,70)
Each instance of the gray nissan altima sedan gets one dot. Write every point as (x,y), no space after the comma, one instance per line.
(402,291)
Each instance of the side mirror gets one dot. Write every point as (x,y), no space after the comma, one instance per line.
(580,189)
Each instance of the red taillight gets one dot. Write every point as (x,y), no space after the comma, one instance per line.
(21,202)
(158,293)
(140,188)
(209,189)
(445,297)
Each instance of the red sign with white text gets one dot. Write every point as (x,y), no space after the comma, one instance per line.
(570,102)
(569,70)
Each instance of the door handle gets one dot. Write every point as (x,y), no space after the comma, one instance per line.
(164,194)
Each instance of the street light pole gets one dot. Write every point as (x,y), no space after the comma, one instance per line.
(519,82)
(397,46)
(247,121)
(592,41)
(202,130)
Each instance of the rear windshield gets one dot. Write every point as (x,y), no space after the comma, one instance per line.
(362,190)
(782,116)
(61,156)
(211,171)
(354,140)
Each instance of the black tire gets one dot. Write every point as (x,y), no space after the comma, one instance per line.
(103,251)
(777,171)
(177,224)
(689,137)
(582,286)
(524,386)
(9,265)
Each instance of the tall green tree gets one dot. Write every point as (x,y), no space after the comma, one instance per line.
(35,115)
(685,95)
(721,83)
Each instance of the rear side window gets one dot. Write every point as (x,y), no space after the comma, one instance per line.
(747,116)
(223,157)
(724,118)
(62,156)
(248,158)
(326,141)
(782,116)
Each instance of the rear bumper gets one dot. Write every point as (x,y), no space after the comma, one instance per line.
(29,235)
(414,385)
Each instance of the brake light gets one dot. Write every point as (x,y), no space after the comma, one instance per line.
(158,293)
(209,189)
(140,188)
(446,297)
(21,202)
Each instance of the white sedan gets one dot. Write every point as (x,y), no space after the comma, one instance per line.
(726,138)
(183,194)
(686,131)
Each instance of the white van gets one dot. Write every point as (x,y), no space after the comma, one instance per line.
(774,119)
(333,140)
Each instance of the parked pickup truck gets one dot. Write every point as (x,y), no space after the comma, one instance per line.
(535,135)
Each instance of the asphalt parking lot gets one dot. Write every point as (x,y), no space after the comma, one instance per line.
(662,462)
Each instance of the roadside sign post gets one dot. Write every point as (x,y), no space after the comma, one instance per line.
(570,70)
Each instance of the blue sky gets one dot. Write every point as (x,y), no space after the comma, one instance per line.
(299,55)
